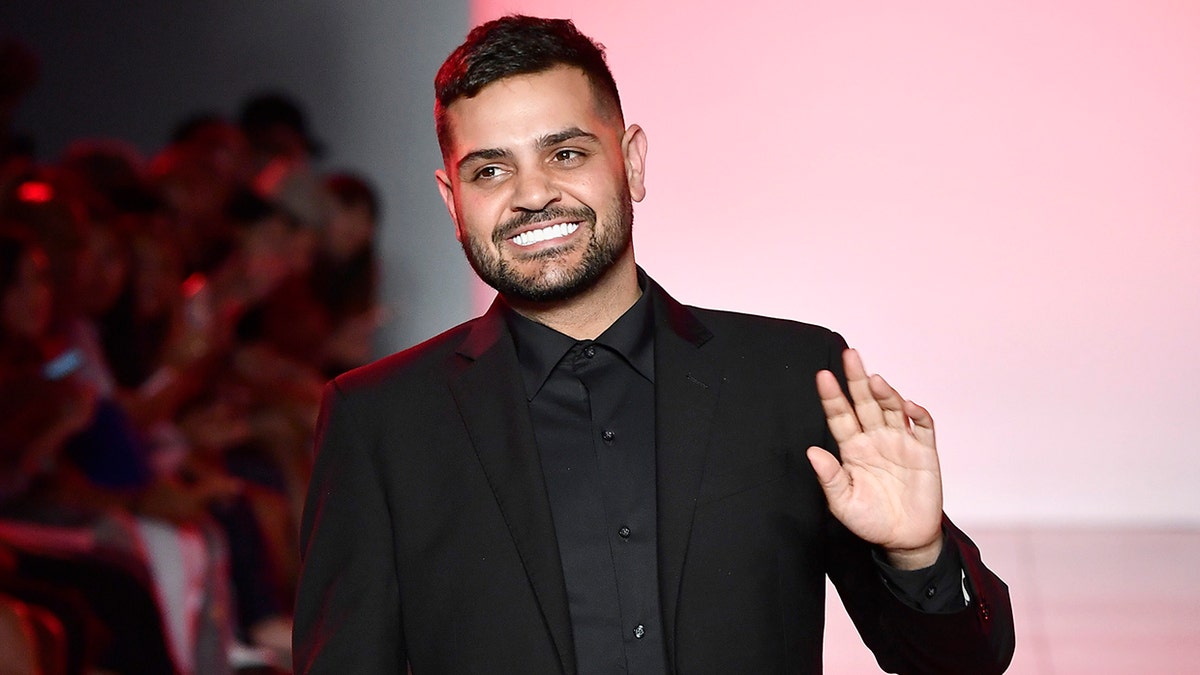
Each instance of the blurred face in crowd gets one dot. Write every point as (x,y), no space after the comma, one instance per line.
(350,230)
(193,185)
(539,179)
(103,269)
(268,249)
(27,302)
(159,271)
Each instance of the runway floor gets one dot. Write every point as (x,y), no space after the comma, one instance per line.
(1086,601)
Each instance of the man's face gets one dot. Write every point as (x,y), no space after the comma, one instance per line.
(540,183)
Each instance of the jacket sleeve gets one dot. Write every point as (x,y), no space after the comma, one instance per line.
(977,639)
(348,606)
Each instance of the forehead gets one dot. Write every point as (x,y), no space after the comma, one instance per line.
(518,110)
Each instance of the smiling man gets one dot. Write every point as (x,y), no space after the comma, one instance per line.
(593,478)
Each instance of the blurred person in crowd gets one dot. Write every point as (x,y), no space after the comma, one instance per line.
(107,176)
(197,174)
(223,438)
(279,326)
(84,473)
(216,141)
(345,274)
(282,152)
(165,351)
(43,411)
(42,408)
(277,129)
(159,348)
(41,201)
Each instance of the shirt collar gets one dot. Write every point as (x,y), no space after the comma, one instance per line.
(540,348)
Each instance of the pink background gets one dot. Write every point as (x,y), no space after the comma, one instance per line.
(999,205)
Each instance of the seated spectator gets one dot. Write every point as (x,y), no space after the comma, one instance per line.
(165,331)
(79,477)
(196,176)
(345,274)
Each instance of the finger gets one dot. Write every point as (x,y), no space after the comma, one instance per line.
(922,423)
(843,423)
(834,480)
(890,403)
(870,416)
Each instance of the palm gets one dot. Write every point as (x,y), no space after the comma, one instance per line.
(887,488)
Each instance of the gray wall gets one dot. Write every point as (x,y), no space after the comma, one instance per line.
(363,70)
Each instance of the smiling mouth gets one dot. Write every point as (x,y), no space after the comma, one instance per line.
(557,231)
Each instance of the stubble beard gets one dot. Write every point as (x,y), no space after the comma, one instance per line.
(553,282)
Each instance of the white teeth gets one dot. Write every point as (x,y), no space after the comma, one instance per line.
(552,232)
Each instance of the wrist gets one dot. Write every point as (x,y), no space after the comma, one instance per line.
(915,558)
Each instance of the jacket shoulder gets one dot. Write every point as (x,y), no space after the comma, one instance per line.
(765,331)
(415,364)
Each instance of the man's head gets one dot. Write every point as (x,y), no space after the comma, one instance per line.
(540,173)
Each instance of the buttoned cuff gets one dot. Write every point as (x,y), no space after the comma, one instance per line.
(937,589)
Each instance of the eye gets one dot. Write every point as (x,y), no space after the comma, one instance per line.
(487,172)
(567,156)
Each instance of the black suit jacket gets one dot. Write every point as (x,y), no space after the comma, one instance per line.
(428,537)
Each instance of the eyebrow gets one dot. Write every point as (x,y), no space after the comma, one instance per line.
(565,135)
(487,154)
(547,141)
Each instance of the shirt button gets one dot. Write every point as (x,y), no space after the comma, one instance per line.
(589,351)
(624,532)
(609,435)
(639,631)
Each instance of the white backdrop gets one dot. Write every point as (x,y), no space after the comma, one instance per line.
(999,205)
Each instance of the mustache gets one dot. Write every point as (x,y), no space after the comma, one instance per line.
(526,218)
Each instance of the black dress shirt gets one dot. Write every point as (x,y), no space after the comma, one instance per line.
(592,407)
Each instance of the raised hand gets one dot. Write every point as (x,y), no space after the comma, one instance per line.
(887,489)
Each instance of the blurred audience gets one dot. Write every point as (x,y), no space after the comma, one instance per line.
(166,326)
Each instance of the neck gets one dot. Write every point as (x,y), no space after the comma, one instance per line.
(587,315)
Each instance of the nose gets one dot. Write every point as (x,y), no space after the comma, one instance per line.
(534,190)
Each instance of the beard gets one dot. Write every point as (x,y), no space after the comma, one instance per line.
(553,282)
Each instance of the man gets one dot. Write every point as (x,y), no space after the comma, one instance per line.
(592,478)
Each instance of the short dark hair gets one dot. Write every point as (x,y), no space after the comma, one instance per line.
(266,110)
(519,45)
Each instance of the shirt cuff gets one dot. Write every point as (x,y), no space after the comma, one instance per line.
(938,589)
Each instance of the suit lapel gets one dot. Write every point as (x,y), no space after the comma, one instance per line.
(687,385)
(493,407)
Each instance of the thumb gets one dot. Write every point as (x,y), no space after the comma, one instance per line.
(833,478)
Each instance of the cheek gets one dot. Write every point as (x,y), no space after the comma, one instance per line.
(477,217)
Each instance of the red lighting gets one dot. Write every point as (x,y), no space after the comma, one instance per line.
(193,284)
(35,192)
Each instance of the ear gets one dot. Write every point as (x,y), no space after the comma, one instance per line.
(446,188)
(633,148)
